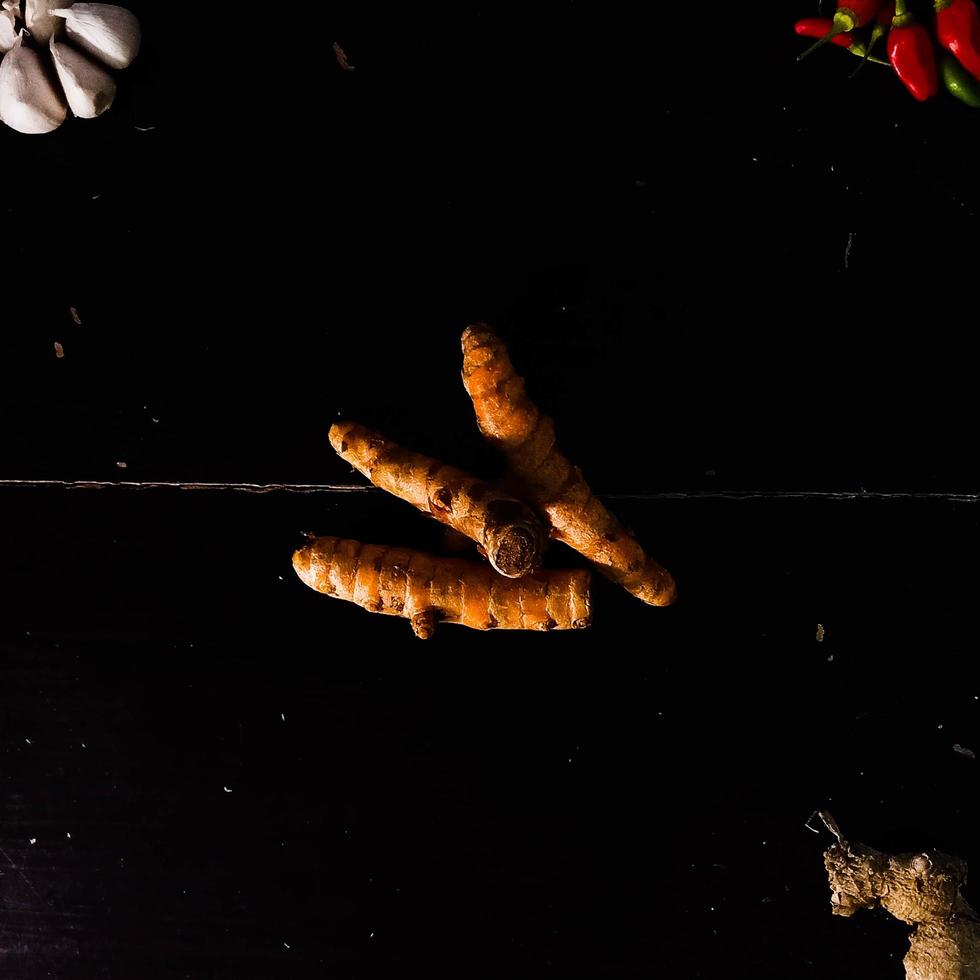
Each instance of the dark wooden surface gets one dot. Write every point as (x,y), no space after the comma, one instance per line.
(738,283)
(244,766)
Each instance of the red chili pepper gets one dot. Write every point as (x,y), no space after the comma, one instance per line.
(883,21)
(856,13)
(818,27)
(958,28)
(911,53)
(850,14)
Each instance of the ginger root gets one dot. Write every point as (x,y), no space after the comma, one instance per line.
(920,889)
(506,529)
(508,419)
(426,589)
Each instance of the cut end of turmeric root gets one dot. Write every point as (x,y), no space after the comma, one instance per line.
(511,422)
(514,549)
(509,532)
(427,590)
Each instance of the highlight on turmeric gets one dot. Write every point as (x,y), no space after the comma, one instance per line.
(507,530)
(427,590)
(509,420)
(920,889)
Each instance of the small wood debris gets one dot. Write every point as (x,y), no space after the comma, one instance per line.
(820,632)
(963,750)
(341,55)
(75,316)
(59,351)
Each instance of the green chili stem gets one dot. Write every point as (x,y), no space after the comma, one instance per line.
(875,36)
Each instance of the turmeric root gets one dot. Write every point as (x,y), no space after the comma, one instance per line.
(426,590)
(508,419)
(507,529)
(920,889)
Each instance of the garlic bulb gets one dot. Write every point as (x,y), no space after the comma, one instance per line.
(109,32)
(33,94)
(37,16)
(29,102)
(8,30)
(89,88)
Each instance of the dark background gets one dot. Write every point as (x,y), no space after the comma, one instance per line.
(655,209)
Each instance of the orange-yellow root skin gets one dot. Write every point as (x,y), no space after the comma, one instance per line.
(509,531)
(426,589)
(510,420)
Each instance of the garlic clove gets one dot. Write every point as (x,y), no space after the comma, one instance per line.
(8,32)
(37,17)
(89,88)
(29,102)
(109,32)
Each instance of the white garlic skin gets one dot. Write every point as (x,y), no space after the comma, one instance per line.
(88,87)
(8,32)
(109,32)
(29,102)
(37,17)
